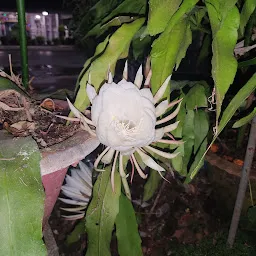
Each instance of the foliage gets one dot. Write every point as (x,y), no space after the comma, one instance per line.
(163,32)
(21,191)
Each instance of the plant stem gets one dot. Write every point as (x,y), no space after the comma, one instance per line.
(23,41)
(243,184)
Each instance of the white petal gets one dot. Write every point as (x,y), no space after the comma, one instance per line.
(73,202)
(74,217)
(146,92)
(112,178)
(159,94)
(139,77)
(110,77)
(107,158)
(150,162)
(147,82)
(161,153)
(91,92)
(75,209)
(159,133)
(161,108)
(141,173)
(99,157)
(170,117)
(86,172)
(171,127)
(125,73)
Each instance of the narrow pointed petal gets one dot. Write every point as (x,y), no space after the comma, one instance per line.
(140,172)
(171,127)
(86,172)
(91,92)
(139,77)
(75,209)
(150,162)
(125,73)
(107,158)
(78,114)
(110,77)
(171,142)
(161,153)
(112,178)
(170,117)
(174,103)
(161,108)
(73,217)
(159,133)
(89,78)
(132,163)
(147,82)
(159,94)
(73,202)
(99,158)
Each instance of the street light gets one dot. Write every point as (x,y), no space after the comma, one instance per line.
(45,13)
(37,17)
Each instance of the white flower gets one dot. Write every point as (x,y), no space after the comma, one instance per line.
(78,188)
(125,119)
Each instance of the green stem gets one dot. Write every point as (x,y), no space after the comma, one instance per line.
(23,41)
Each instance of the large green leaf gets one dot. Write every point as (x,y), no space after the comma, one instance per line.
(224,21)
(151,185)
(245,119)
(101,214)
(247,10)
(201,128)
(99,50)
(129,241)
(188,137)
(119,42)
(196,97)
(22,197)
(160,12)
(235,103)
(187,40)
(164,54)
(166,48)
(128,7)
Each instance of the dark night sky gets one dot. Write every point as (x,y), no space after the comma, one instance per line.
(33,5)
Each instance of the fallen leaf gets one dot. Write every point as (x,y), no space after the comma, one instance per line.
(238,162)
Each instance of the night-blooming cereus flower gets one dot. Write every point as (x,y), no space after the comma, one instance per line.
(125,118)
(78,188)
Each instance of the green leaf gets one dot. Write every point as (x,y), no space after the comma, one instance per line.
(201,124)
(180,117)
(247,63)
(187,40)
(188,137)
(151,185)
(101,214)
(198,158)
(177,162)
(99,50)
(224,23)
(129,241)
(160,12)
(22,197)
(7,84)
(252,214)
(119,42)
(196,97)
(165,49)
(127,7)
(245,119)
(247,10)
(164,54)
(205,49)
(235,103)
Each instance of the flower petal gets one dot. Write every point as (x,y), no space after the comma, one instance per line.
(159,94)
(112,178)
(110,78)
(171,127)
(150,162)
(73,202)
(161,153)
(161,108)
(107,158)
(91,92)
(170,117)
(125,72)
(99,158)
(147,82)
(159,133)
(139,77)
(140,172)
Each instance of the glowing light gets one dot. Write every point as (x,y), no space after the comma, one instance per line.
(45,13)
(37,17)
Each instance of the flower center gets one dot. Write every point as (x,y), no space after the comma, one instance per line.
(126,128)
